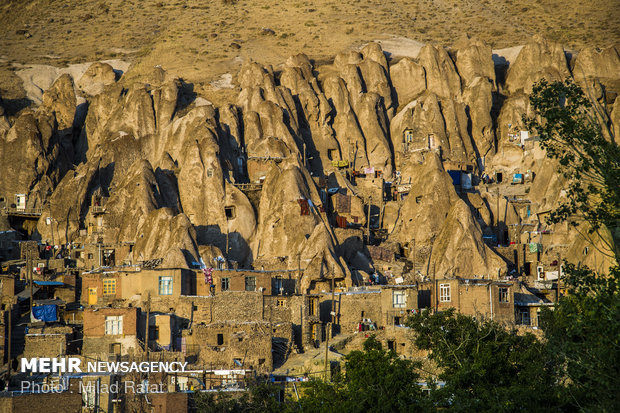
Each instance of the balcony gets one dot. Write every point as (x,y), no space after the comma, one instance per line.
(22,212)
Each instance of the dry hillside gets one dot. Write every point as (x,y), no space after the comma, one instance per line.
(200,40)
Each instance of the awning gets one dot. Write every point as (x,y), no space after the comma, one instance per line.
(25,294)
(47,283)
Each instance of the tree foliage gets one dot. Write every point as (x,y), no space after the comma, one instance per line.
(583,331)
(260,398)
(583,340)
(570,127)
(485,367)
(373,380)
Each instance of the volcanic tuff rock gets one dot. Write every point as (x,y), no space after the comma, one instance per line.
(458,250)
(441,76)
(537,59)
(408,80)
(603,65)
(96,77)
(4,122)
(170,166)
(38,149)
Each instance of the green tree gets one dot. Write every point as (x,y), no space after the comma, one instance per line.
(583,331)
(485,366)
(260,398)
(373,380)
(583,340)
(575,131)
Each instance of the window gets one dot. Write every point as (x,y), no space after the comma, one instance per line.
(311,306)
(225,284)
(277,284)
(399,299)
(503,295)
(109,286)
(90,256)
(250,283)
(444,293)
(165,285)
(280,303)
(210,172)
(230,212)
(114,325)
(115,348)
(220,339)
(524,316)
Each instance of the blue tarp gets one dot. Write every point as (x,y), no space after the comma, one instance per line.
(57,283)
(456,177)
(45,312)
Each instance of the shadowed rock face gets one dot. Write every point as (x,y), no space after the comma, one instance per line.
(169,167)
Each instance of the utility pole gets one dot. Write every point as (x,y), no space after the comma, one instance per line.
(8,380)
(414,258)
(148,317)
(304,146)
(298,273)
(435,298)
(382,200)
(557,295)
(497,216)
(329,326)
(368,220)
(227,232)
(29,270)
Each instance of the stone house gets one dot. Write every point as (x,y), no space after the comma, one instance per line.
(111,331)
(488,299)
(95,255)
(240,345)
(302,311)
(270,282)
(372,307)
(48,341)
(165,284)
(528,306)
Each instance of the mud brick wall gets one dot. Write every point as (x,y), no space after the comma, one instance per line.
(349,308)
(49,403)
(250,343)
(228,305)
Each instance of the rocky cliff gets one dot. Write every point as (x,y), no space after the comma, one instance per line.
(142,160)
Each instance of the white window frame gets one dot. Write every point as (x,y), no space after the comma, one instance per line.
(165,285)
(114,325)
(399,299)
(444,293)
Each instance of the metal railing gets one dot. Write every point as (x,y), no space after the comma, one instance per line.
(22,211)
